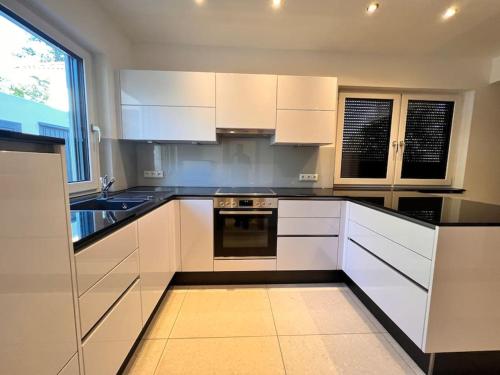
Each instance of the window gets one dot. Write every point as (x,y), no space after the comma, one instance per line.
(42,91)
(394,139)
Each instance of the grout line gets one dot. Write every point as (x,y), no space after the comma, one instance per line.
(274,323)
(170,332)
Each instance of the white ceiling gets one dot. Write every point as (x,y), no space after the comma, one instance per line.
(399,27)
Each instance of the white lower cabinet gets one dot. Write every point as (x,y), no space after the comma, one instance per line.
(307,253)
(401,299)
(197,234)
(314,226)
(98,299)
(154,252)
(72,367)
(105,349)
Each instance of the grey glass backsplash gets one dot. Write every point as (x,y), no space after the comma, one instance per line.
(235,162)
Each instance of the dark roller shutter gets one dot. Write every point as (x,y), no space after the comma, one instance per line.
(427,139)
(365,144)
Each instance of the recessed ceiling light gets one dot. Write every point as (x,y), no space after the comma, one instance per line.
(450,12)
(199,2)
(372,8)
(276,4)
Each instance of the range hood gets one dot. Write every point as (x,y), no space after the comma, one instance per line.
(235,132)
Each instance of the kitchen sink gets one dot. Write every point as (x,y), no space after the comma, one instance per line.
(107,204)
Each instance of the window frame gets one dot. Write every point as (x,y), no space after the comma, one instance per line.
(452,144)
(340,138)
(39,26)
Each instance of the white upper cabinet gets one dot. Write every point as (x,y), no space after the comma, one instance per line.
(246,101)
(306,110)
(183,124)
(307,93)
(168,106)
(185,89)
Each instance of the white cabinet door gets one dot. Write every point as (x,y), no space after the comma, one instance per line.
(308,226)
(307,253)
(72,367)
(402,300)
(185,124)
(307,93)
(187,89)
(305,127)
(109,343)
(37,324)
(197,235)
(308,208)
(174,227)
(154,258)
(246,101)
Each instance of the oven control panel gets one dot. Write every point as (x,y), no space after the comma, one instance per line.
(245,202)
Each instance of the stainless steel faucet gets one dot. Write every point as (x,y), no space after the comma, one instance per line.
(106,184)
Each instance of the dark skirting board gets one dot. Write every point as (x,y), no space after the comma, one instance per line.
(257,277)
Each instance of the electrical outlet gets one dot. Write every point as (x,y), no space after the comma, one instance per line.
(153,174)
(308,177)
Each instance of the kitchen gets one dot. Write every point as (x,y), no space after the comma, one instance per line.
(249,187)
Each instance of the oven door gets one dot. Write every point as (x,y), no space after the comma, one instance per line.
(245,233)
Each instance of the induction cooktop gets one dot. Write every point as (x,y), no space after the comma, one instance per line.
(244,191)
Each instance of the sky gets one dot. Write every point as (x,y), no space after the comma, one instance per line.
(18,71)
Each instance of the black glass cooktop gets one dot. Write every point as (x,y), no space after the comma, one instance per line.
(245,191)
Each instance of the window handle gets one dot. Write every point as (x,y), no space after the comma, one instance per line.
(395,146)
(401,144)
(97,130)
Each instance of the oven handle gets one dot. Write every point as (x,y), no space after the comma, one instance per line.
(245,212)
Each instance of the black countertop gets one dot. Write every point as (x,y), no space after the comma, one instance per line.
(420,207)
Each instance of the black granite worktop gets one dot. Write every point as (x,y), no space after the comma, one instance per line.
(424,208)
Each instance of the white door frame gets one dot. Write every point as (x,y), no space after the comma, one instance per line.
(392,140)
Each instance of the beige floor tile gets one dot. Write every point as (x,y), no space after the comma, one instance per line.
(317,310)
(224,312)
(417,370)
(341,354)
(378,327)
(162,323)
(242,355)
(146,358)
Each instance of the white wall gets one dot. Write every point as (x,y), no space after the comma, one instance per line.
(352,70)
(482,172)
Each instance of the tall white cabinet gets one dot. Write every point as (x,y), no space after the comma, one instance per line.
(37,325)
(306,110)
(168,106)
(197,234)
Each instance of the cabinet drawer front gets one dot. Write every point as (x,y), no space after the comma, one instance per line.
(97,300)
(169,123)
(108,345)
(413,236)
(245,265)
(303,127)
(413,265)
(98,259)
(308,226)
(402,300)
(307,253)
(308,208)
(303,92)
(147,87)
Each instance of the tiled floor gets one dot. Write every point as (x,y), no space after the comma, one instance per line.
(274,329)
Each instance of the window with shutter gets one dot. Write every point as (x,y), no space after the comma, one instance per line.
(366,137)
(427,139)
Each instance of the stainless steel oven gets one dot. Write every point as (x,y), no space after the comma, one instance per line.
(245,227)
